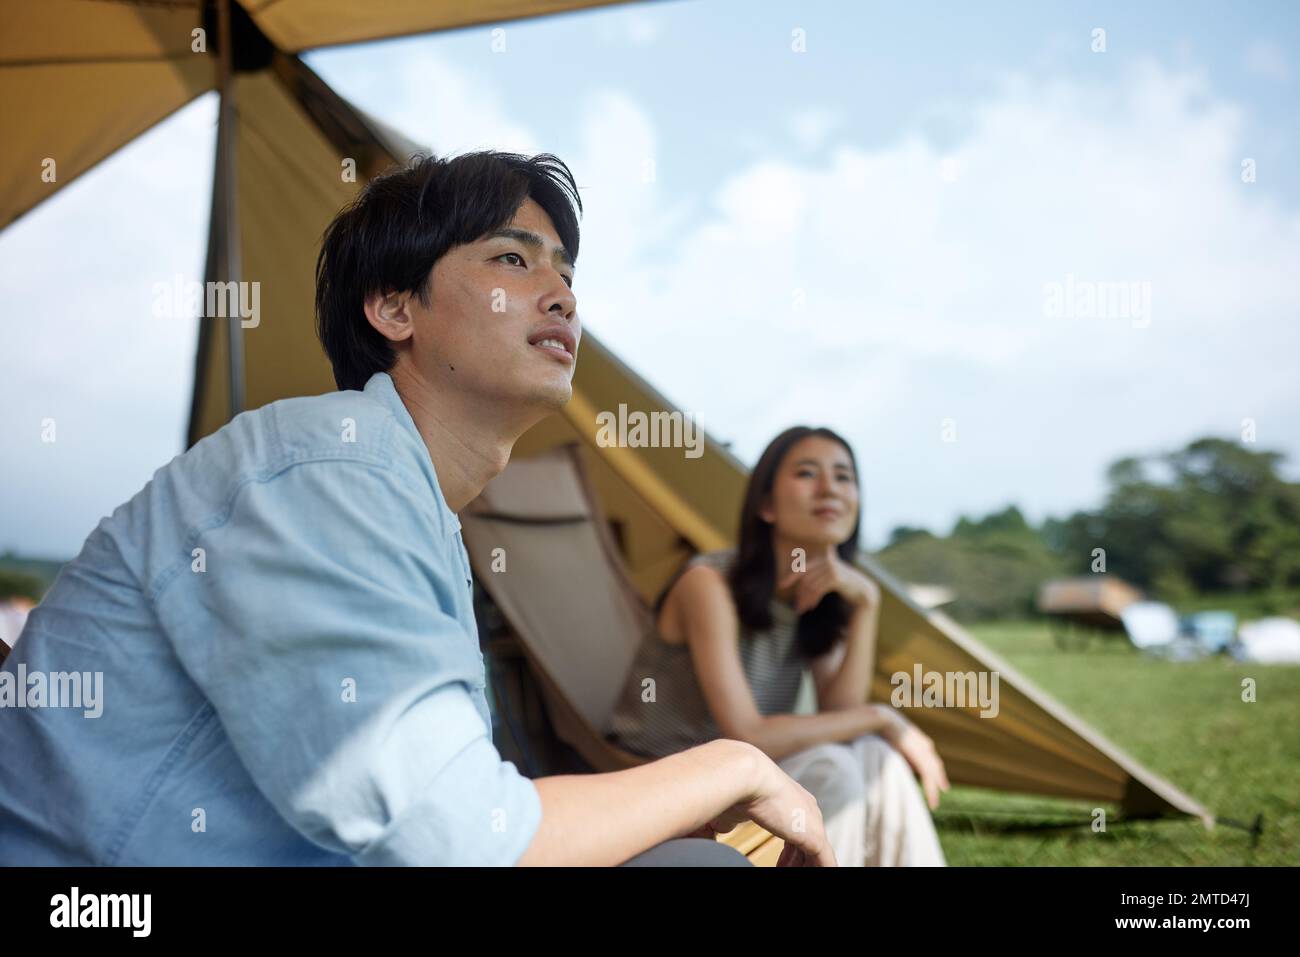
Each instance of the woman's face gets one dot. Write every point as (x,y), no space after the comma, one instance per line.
(814,497)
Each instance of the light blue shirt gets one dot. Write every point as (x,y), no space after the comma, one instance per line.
(291,671)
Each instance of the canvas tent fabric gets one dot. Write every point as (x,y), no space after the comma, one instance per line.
(1096,600)
(665,507)
(81,78)
(1150,624)
(544,553)
(296,25)
(538,545)
(566,590)
(85,77)
(78,80)
(1270,641)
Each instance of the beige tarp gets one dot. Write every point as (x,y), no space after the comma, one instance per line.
(80,78)
(548,558)
(542,549)
(296,25)
(563,588)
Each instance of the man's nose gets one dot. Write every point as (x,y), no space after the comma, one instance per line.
(560,299)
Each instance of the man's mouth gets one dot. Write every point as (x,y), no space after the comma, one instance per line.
(558,341)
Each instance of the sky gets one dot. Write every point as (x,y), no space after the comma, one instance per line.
(852,215)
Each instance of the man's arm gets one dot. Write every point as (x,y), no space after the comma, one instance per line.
(320,633)
(604,819)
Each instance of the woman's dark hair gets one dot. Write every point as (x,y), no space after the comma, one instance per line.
(388,239)
(753,574)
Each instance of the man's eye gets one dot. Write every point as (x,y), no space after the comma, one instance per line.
(516,255)
(568,281)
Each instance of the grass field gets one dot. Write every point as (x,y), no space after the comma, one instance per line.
(1183,720)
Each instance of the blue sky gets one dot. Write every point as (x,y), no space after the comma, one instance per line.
(912,180)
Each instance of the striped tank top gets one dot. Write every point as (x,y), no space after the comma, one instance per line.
(671,714)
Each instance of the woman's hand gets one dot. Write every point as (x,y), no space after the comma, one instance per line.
(920,753)
(830,574)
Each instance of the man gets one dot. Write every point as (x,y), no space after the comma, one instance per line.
(282,617)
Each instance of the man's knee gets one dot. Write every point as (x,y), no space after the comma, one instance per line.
(690,852)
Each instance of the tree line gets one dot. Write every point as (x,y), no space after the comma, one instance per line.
(1215,518)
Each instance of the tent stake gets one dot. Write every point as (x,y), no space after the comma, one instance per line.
(1254,829)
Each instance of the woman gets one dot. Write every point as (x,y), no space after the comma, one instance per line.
(736,630)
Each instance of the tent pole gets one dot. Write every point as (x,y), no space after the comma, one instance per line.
(228,264)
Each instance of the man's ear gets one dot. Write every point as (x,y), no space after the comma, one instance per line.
(390,314)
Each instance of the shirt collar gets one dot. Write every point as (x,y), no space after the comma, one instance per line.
(380,388)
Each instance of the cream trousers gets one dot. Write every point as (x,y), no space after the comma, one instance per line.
(872,806)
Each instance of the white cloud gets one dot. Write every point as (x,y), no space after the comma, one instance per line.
(455,114)
(431,102)
(923,295)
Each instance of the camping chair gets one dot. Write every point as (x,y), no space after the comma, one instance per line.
(542,550)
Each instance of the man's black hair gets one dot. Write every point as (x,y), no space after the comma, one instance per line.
(388,239)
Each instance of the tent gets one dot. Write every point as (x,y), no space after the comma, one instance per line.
(1095,600)
(662,507)
(81,78)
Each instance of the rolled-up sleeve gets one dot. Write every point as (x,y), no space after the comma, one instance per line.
(335,657)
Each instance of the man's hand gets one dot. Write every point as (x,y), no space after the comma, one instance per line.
(784,807)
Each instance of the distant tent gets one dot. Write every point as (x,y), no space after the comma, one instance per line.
(1150,624)
(82,78)
(930,596)
(1093,600)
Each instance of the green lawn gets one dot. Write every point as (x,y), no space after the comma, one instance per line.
(1185,721)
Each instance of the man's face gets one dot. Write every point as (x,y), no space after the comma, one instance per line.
(502,321)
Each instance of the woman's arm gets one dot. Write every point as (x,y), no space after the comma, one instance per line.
(843,674)
(712,628)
